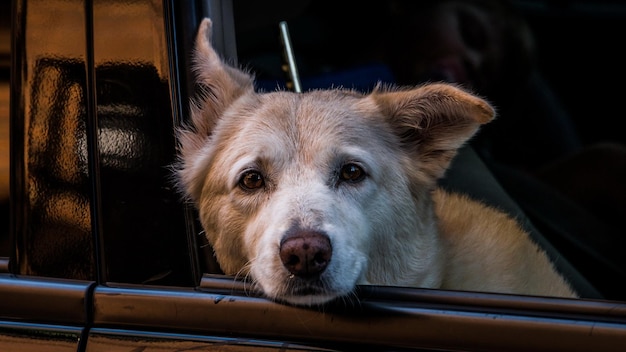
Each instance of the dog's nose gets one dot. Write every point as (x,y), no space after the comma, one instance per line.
(305,253)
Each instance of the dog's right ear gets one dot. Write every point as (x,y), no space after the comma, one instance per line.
(219,83)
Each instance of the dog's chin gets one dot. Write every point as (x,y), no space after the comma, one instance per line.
(307,300)
(307,293)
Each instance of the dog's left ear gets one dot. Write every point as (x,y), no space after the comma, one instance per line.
(434,120)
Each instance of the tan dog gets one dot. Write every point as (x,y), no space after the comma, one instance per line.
(311,194)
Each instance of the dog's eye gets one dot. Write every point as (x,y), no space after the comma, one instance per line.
(251,180)
(352,173)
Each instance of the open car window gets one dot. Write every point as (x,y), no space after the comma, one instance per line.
(540,149)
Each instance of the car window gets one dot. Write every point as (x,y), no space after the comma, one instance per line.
(542,149)
(94,147)
(104,192)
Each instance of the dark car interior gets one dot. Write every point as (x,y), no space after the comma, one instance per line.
(556,147)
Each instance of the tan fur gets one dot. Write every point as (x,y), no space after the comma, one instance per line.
(388,225)
(485,248)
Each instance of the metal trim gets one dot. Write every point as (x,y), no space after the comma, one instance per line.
(37,299)
(375,316)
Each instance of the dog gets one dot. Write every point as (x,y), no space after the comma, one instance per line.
(310,194)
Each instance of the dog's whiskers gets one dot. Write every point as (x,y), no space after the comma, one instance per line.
(351,299)
(244,276)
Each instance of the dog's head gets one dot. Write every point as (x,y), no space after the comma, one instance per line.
(310,194)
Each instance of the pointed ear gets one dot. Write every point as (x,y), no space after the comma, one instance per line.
(219,83)
(433,121)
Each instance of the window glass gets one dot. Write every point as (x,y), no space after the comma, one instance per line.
(142,224)
(52,190)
